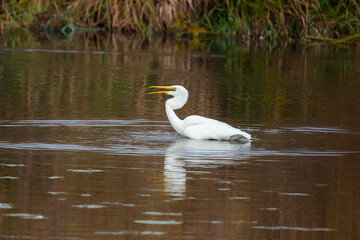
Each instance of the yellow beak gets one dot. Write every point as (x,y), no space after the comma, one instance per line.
(166,89)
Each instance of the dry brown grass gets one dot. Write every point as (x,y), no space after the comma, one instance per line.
(136,15)
(283,19)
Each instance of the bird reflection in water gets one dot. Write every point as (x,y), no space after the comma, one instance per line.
(184,153)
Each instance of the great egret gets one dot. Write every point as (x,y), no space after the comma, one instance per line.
(194,126)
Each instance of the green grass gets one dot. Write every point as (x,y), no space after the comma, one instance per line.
(273,20)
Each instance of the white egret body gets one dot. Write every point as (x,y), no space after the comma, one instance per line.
(194,126)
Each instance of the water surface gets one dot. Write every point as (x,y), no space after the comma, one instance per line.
(85,153)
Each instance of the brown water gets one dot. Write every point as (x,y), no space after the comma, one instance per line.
(85,153)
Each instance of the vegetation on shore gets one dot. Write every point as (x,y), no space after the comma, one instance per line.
(324,20)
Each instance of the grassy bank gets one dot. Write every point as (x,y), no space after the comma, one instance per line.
(324,20)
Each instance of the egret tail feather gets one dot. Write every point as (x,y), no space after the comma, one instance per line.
(239,138)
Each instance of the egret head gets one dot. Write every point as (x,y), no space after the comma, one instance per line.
(179,92)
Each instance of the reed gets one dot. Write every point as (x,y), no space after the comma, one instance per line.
(248,19)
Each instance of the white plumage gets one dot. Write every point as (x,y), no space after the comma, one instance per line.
(194,126)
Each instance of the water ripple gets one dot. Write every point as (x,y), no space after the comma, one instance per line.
(131,137)
(190,148)
(83,123)
(303,229)
(5,206)
(25,216)
(130,233)
(158,222)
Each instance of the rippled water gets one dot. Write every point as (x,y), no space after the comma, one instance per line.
(85,153)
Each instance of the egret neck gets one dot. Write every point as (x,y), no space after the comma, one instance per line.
(172,104)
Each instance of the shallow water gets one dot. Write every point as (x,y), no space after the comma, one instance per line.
(85,153)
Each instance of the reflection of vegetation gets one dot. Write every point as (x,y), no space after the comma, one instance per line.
(284,19)
(107,78)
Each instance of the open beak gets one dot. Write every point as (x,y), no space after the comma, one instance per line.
(161,89)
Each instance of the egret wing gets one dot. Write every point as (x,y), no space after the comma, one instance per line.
(198,127)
